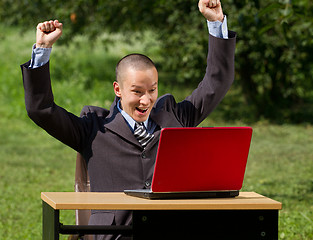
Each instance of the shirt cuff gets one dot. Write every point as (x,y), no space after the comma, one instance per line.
(218,29)
(40,56)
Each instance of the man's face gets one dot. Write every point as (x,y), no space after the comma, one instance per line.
(138,92)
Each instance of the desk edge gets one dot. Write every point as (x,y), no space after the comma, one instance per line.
(64,206)
(47,200)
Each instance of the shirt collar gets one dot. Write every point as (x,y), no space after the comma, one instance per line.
(131,122)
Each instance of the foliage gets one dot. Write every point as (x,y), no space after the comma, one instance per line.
(273,61)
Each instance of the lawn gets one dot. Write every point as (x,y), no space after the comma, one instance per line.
(279,166)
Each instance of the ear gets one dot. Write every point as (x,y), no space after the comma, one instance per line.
(117,89)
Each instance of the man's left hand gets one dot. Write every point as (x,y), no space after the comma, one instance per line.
(211,10)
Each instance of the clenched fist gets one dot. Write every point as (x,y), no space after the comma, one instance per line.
(48,33)
(211,10)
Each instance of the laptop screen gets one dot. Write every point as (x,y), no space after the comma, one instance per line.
(201,159)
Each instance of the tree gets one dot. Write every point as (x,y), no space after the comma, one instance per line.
(273,57)
(273,60)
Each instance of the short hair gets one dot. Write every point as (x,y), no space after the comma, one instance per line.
(136,61)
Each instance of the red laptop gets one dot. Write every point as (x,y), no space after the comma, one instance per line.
(199,163)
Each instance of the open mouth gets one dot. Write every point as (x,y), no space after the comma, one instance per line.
(142,110)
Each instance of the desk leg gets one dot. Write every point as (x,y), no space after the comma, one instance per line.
(50,222)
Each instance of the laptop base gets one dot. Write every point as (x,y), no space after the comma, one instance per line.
(148,194)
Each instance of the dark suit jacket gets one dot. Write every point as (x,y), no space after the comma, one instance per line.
(115,159)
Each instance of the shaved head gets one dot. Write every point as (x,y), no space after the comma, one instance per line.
(136,86)
(134,61)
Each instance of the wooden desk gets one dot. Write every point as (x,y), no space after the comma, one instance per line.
(248,216)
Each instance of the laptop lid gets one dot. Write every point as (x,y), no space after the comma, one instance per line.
(201,159)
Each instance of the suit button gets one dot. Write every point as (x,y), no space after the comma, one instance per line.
(143,155)
(147,184)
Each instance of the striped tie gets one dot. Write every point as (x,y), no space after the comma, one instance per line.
(142,135)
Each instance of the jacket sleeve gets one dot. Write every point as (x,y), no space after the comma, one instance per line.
(218,78)
(42,109)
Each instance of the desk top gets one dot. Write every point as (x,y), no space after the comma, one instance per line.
(121,201)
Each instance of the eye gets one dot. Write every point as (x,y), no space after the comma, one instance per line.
(136,91)
(153,90)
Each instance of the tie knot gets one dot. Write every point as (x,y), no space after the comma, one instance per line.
(139,124)
(141,134)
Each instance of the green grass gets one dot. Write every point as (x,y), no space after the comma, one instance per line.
(279,165)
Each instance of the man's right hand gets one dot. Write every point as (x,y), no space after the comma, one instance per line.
(48,33)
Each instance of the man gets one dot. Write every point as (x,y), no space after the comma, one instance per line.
(115,157)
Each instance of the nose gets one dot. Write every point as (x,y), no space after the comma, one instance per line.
(145,99)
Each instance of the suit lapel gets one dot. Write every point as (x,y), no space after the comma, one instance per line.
(162,118)
(116,123)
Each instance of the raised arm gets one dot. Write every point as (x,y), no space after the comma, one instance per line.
(219,74)
(39,99)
